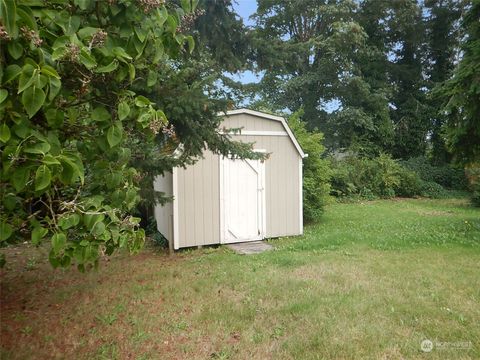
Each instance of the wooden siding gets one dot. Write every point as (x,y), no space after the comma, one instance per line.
(199,202)
(164,214)
(251,123)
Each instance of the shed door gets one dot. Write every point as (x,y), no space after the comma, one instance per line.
(243,200)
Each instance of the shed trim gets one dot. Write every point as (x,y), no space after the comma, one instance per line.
(258,133)
(300,196)
(176,238)
(270,117)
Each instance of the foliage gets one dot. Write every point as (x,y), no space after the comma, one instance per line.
(473,175)
(316,170)
(87,88)
(461,93)
(310,52)
(448,176)
(432,190)
(152,232)
(371,178)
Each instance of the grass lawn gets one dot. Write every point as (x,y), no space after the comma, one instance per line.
(372,280)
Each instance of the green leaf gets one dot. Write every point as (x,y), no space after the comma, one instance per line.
(15,49)
(141,33)
(20,178)
(160,115)
(69,220)
(87,59)
(26,15)
(121,54)
(72,25)
(131,71)
(123,110)
(11,72)
(59,241)
(87,32)
(152,78)
(59,53)
(161,15)
(38,234)
(83,4)
(142,101)
(171,24)
(186,6)
(54,118)
(4,133)
(191,43)
(3,95)
(50,160)
(98,228)
(55,86)
(100,114)
(91,219)
(50,71)
(43,177)
(27,77)
(8,12)
(108,68)
(114,135)
(38,148)
(71,169)
(5,231)
(33,99)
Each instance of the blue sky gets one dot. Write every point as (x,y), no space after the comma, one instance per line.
(245,8)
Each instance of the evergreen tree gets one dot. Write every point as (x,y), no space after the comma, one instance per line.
(461,93)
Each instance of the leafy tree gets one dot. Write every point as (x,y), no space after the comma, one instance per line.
(310,52)
(86,90)
(461,94)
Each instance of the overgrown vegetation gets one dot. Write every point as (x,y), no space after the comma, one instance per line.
(384,177)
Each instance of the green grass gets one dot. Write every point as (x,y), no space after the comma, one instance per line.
(371,280)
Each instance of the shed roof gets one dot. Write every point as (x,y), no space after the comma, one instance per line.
(274,118)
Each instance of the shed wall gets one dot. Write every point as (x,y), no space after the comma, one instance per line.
(164,214)
(199,202)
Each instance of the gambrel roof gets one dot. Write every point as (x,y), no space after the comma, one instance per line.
(270,117)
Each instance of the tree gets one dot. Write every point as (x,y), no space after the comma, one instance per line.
(461,94)
(442,42)
(88,89)
(310,52)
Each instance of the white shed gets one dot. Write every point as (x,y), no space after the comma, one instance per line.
(220,200)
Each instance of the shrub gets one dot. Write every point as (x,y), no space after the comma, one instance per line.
(316,170)
(410,183)
(432,190)
(371,178)
(448,176)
